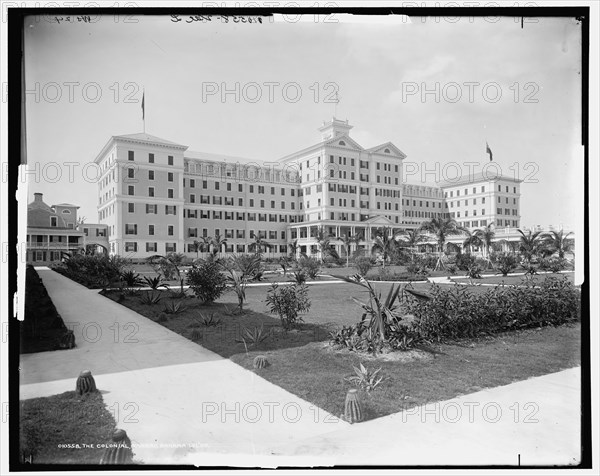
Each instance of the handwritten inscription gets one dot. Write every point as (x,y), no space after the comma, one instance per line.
(223,18)
(73,19)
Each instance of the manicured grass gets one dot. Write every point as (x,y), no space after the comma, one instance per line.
(43,327)
(515,280)
(304,364)
(317,374)
(62,419)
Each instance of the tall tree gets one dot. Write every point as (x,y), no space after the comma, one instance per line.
(530,244)
(558,242)
(411,238)
(325,247)
(348,240)
(441,228)
(385,242)
(486,236)
(471,240)
(293,247)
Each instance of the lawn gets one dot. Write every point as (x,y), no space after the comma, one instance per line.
(304,364)
(63,419)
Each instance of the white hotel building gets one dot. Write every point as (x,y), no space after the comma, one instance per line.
(156,196)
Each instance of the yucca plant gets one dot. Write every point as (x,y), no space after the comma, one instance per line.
(155,283)
(150,298)
(173,307)
(365,379)
(131,278)
(380,313)
(209,320)
(237,283)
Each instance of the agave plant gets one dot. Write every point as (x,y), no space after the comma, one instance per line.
(150,298)
(174,307)
(252,337)
(381,313)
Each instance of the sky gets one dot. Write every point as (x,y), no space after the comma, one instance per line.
(439,90)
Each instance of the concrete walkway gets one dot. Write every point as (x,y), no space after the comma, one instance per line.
(181,403)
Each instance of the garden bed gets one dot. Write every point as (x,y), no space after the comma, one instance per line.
(303,363)
(46,423)
(43,327)
(513,280)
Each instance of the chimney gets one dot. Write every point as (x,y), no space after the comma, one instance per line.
(37,197)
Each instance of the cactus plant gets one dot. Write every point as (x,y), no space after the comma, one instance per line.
(260,362)
(85,383)
(196,334)
(119,450)
(67,340)
(352,407)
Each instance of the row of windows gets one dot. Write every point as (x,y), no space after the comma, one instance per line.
(131,156)
(240,187)
(507,211)
(513,223)
(466,191)
(152,247)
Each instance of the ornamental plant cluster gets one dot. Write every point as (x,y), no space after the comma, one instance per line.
(92,271)
(450,313)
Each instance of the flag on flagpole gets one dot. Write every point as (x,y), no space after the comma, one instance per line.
(488,150)
(143,107)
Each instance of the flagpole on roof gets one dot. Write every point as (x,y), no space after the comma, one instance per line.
(144,109)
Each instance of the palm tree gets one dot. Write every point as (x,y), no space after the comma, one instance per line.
(293,246)
(441,228)
(258,245)
(385,242)
(530,244)
(411,238)
(558,242)
(324,241)
(486,236)
(471,240)
(348,241)
(217,243)
(197,245)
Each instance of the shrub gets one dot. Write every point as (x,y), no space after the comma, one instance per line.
(288,302)
(174,307)
(553,264)
(464,261)
(206,281)
(505,263)
(310,266)
(456,312)
(363,265)
(155,283)
(93,271)
(299,277)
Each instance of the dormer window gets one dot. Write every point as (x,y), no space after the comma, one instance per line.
(387,151)
(66,212)
(53,221)
(342,142)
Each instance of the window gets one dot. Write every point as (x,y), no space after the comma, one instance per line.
(130,229)
(170,230)
(217,185)
(482,189)
(150,191)
(171,247)
(170,210)
(151,230)
(204,184)
(170,193)
(130,155)
(150,158)
(130,190)
(192,198)
(131,207)
(130,246)
(130,173)
(53,221)
(151,209)
(170,176)
(151,247)
(240,188)
(228,187)
(170,160)
(150,174)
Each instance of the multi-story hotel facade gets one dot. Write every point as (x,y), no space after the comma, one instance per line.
(156,196)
